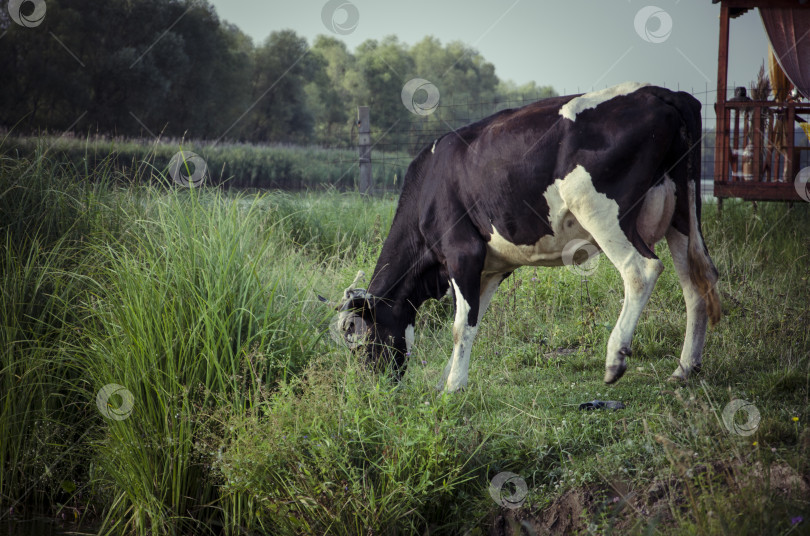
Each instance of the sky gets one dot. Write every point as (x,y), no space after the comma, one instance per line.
(572,45)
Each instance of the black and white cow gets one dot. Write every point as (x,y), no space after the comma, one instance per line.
(619,168)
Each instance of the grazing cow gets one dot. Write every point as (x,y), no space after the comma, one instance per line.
(618,168)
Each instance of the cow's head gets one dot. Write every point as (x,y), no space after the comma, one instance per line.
(367,326)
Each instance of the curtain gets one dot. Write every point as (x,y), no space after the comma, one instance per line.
(780,85)
(789,33)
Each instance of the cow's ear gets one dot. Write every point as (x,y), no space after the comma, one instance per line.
(334,305)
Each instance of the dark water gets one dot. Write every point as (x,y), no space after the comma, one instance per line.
(37,527)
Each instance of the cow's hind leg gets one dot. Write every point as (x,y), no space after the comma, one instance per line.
(599,215)
(696,314)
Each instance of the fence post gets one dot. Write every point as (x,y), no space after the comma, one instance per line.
(364,142)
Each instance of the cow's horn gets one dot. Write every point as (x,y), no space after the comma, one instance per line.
(348,292)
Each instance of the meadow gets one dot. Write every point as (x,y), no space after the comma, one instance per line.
(166,368)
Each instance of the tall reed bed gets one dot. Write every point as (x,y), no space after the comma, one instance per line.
(232,165)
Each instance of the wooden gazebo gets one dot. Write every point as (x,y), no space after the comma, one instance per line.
(758,150)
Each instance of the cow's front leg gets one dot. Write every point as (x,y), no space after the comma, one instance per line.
(457,370)
(465,328)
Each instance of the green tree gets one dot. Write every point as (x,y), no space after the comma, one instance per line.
(115,65)
(457,70)
(283,67)
(172,67)
(336,102)
(385,67)
(510,95)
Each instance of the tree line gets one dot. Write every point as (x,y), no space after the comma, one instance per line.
(143,68)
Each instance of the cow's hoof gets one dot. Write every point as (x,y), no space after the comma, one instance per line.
(613,373)
(681,375)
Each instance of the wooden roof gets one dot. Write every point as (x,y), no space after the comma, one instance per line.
(739,7)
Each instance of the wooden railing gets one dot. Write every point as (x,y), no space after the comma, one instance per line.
(757,155)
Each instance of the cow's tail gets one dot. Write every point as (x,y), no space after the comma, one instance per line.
(702,271)
(701,268)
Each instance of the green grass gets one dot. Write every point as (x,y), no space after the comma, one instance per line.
(247,419)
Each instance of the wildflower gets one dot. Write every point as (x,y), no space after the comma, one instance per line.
(424,362)
(796,520)
(795,419)
(754,443)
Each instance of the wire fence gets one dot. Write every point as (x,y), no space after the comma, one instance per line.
(393,147)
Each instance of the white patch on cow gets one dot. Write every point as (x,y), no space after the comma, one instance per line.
(600,216)
(409,337)
(591,100)
(505,256)
(433,149)
(655,215)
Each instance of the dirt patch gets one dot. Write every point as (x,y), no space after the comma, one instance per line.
(782,478)
(628,506)
(569,513)
(563,516)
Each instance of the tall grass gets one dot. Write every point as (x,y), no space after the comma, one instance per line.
(45,218)
(201,306)
(187,299)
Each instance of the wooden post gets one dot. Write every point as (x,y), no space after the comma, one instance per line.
(790,151)
(364,143)
(721,130)
(756,172)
